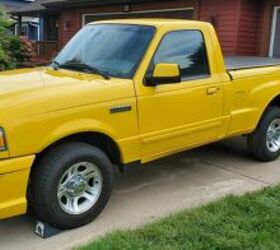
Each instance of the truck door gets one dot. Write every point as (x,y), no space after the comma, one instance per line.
(173,117)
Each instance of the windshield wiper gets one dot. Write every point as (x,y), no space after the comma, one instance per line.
(85,67)
(56,65)
(95,70)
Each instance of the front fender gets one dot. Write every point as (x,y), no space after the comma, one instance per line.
(76,127)
(34,138)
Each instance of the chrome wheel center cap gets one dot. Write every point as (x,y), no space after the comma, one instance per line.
(76,186)
(79,188)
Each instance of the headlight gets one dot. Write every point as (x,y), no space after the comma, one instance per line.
(3,145)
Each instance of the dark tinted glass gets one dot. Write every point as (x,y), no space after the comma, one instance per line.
(186,48)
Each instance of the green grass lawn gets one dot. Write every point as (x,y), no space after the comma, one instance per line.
(248,222)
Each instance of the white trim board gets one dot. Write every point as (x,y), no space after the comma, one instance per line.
(132,12)
(273,30)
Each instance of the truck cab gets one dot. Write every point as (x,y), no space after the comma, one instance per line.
(166,122)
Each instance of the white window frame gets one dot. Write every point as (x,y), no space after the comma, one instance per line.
(24,26)
(132,12)
(273,30)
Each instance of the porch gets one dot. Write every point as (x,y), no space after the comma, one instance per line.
(48,44)
(43,52)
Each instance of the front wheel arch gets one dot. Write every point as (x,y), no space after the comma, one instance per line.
(97,139)
(46,178)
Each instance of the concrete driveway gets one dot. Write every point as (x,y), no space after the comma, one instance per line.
(147,193)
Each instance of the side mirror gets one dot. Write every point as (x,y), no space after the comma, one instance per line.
(164,74)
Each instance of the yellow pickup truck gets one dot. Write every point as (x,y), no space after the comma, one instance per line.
(120,92)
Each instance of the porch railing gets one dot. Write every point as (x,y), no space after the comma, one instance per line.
(45,49)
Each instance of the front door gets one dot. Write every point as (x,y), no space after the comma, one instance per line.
(275,35)
(173,117)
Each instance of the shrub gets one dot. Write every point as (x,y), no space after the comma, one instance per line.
(13,50)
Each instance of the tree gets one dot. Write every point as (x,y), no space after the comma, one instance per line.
(5,23)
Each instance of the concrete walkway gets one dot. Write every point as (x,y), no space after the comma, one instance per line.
(156,190)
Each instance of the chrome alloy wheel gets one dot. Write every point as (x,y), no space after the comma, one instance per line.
(273,136)
(79,188)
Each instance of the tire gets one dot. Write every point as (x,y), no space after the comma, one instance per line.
(258,143)
(57,169)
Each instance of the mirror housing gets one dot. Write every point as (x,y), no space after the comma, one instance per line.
(164,73)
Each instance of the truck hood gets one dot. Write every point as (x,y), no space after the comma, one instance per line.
(51,89)
(25,80)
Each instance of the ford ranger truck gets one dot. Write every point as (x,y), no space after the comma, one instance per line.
(123,92)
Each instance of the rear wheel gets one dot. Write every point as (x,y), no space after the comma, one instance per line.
(71,185)
(264,143)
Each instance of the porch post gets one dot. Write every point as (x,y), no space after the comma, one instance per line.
(41,27)
(19,25)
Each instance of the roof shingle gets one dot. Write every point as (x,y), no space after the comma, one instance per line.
(44,5)
(30,8)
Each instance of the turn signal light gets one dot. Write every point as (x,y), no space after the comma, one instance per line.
(3,145)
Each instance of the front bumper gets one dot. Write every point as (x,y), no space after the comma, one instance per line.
(14,176)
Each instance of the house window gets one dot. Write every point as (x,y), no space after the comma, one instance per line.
(275,34)
(182,13)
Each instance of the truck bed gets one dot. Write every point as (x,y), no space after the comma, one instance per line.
(248,62)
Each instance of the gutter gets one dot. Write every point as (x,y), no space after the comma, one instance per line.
(75,3)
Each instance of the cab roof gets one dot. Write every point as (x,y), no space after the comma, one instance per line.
(151,22)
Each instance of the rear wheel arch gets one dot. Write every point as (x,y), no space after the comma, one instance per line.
(274,102)
(261,140)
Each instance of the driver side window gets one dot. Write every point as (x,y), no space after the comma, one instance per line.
(186,48)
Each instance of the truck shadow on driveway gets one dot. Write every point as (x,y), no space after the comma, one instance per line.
(233,149)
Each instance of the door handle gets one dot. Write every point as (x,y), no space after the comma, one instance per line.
(212,91)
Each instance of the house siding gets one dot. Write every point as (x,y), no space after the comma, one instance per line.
(248,27)
(69,25)
(73,17)
(225,18)
(263,33)
(243,26)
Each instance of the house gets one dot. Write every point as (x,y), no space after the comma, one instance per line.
(244,27)
(30,25)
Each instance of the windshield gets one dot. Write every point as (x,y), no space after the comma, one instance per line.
(113,49)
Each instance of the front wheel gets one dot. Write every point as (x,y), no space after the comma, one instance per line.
(264,143)
(71,185)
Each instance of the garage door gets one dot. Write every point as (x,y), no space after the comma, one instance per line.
(186,13)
